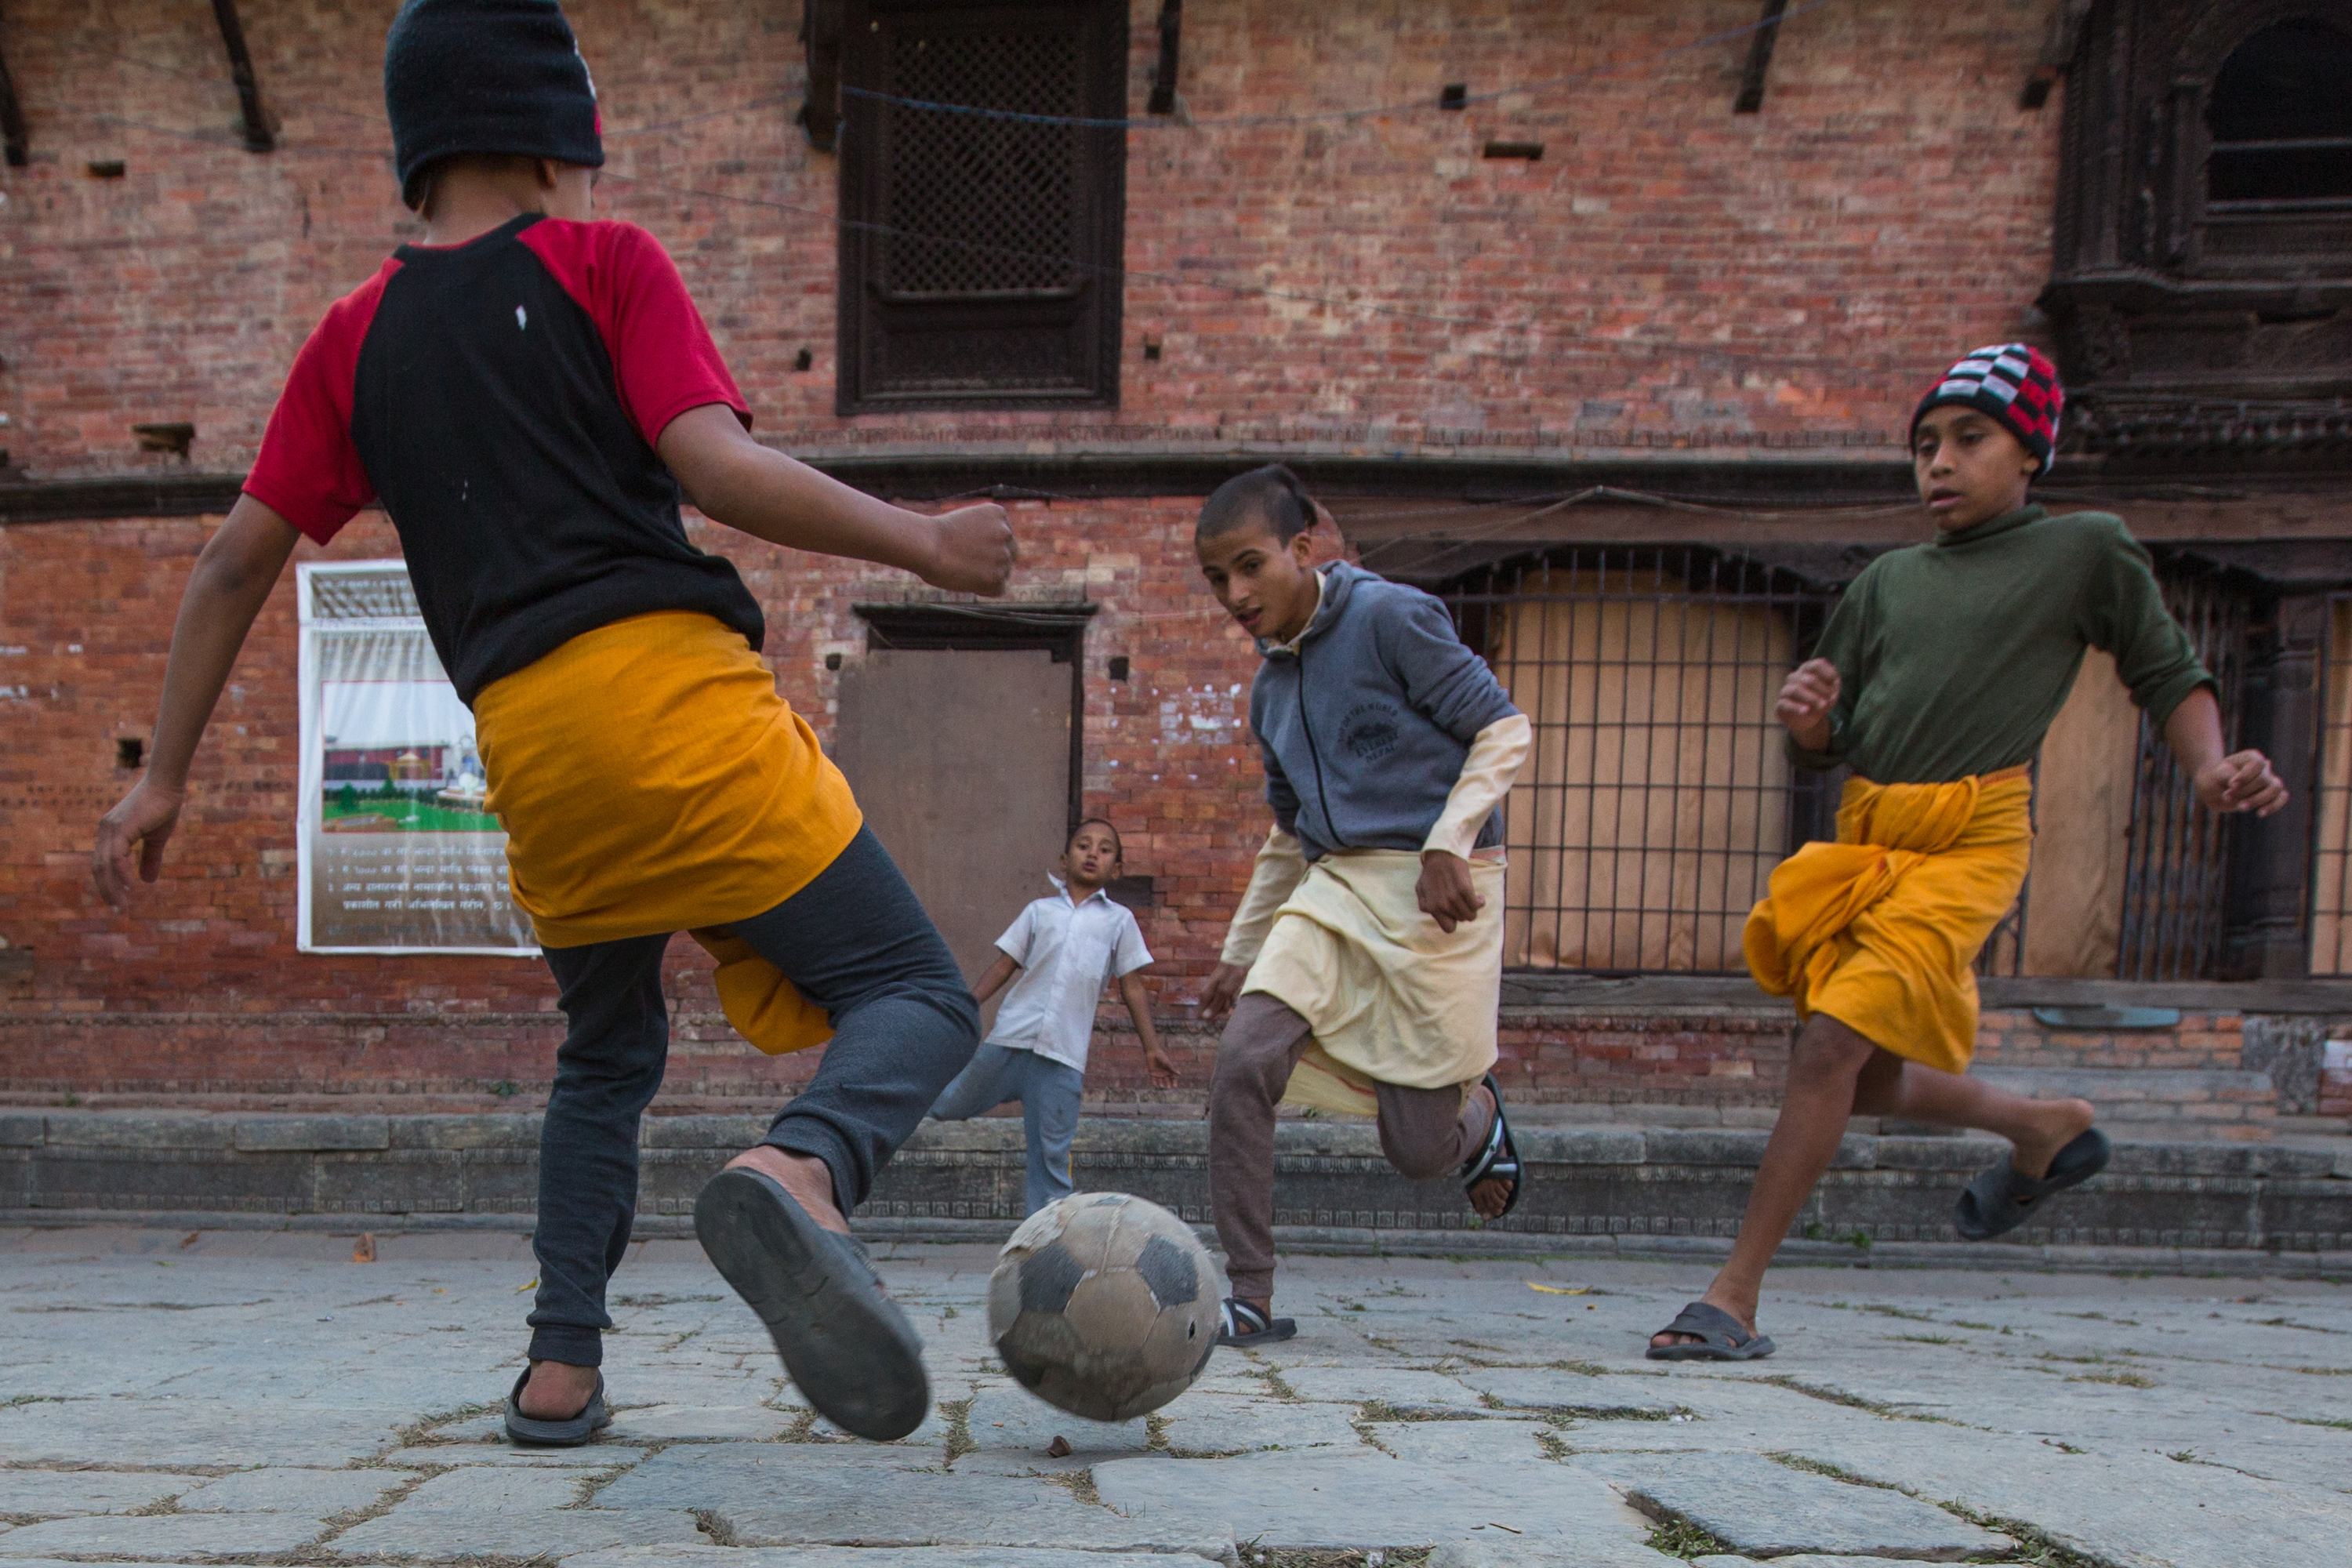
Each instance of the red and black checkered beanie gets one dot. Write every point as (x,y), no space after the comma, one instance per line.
(2015,384)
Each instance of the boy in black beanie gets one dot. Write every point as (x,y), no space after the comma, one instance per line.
(525,394)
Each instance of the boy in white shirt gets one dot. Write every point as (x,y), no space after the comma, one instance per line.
(1064,949)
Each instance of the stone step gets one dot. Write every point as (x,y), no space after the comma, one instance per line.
(1624,1190)
(2223,1103)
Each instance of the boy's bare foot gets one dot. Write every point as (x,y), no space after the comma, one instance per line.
(1718,1298)
(557,1390)
(805,1177)
(1489,1197)
(2058,1123)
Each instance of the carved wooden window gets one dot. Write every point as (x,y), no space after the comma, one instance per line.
(2278,161)
(2201,287)
(981,254)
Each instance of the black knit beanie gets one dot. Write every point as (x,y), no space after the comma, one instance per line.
(486,76)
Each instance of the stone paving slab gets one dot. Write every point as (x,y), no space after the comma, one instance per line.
(1813,1559)
(1495,1445)
(1493,1550)
(871,1557)
(1765,1509)
(1010,1419)
(57,1493)
(1210,1424)
(879,1495)
(538,1533)
(2119,1416)
(1410,1392)
(161,1536)
(503,1455)
(286,1490)
(691,1422)
(204,1431)
(2138,1510)
(1366,1499)
(1575,1392)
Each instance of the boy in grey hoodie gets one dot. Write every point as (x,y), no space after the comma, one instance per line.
(1358,973)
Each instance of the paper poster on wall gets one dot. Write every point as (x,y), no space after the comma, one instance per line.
(397,853)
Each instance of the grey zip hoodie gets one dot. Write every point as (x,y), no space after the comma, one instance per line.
(1364,726)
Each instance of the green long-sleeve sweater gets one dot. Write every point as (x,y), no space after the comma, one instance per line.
(1956,654)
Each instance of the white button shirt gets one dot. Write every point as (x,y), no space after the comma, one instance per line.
(1067,954)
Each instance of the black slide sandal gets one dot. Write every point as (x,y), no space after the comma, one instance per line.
(1498,1159)
(1722,1337)
(2003,1198)
(1242,1325)
(845,1343)
(569,1433)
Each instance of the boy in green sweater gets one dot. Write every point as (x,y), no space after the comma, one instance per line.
(1936,677)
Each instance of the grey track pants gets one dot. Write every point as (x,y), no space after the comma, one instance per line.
(1425,1133)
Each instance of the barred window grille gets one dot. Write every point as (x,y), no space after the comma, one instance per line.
(2331,871)
(981,256)
(1658,797)
(2176,865)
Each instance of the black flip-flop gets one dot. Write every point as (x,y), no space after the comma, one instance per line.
(2003,1198)
(1498,1159)
(1722,1337)
(594,1417)
(845,1343)
(1241,1324)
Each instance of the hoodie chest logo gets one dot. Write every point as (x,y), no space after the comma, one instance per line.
(1370,730)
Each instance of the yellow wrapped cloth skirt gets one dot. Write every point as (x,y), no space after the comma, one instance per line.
(1881,930)
(651,780)
(1391,998)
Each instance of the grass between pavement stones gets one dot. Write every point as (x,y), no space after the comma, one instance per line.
(2033,1545)
(1678,1537)
(1254,1556)
(1854,1401)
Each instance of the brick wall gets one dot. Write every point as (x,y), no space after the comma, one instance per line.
(1667,272)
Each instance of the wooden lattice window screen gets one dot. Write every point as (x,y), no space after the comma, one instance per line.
(981,256)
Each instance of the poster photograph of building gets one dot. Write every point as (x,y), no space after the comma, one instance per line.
(399,852)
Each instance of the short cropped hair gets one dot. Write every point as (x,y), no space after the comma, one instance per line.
(1271,495)
(1117,846)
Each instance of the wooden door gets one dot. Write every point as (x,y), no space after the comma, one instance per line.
(962,761)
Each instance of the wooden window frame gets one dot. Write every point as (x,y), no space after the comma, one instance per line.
(1089,310)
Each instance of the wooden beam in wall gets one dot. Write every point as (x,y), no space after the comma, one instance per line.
(260,130)
(2058,46)
(1171,41)
(821,42)
(14,144)
(1759,60)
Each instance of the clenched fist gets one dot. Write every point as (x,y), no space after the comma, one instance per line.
(972,550)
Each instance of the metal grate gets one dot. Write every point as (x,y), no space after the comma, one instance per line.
(1004,192)
(2175,865)
(1658,797)
(980,256)
(2331,801)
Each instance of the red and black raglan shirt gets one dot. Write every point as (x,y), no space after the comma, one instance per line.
(502,399)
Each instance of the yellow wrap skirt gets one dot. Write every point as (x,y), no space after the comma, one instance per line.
(1391,998)
(1881,930)
(651,780)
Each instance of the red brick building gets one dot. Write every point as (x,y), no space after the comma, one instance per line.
(1605,320)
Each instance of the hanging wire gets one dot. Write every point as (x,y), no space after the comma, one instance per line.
(1329,116)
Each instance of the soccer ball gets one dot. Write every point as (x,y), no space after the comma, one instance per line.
(1104,1305)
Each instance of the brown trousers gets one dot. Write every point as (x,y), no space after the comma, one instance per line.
(1425,1133)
